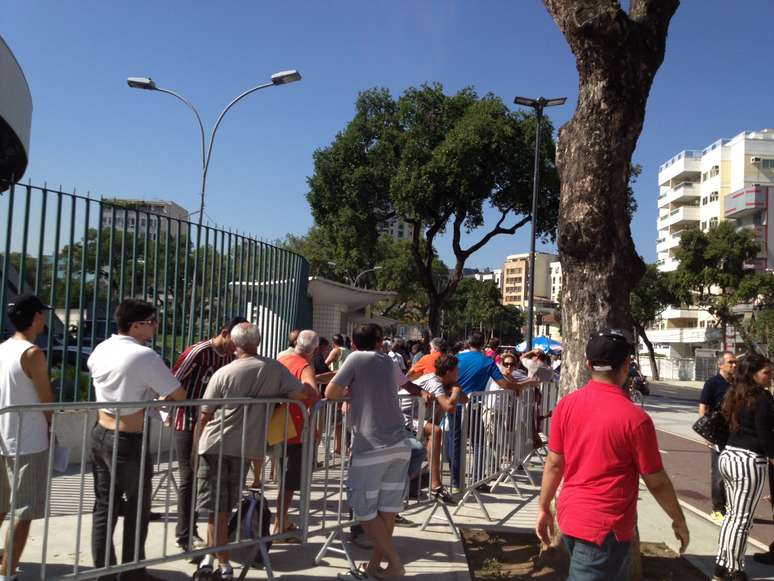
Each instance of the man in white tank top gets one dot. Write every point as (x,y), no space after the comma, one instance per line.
(23,381)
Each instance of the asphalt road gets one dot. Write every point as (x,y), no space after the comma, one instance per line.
(687,458)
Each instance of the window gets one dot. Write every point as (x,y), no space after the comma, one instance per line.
(713,222)
(704,176)
(714,170)
(704,201)
(714,197)
(703,225)
(767,164)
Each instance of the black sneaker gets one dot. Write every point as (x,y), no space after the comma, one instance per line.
(402,521)
(484,488)
(740,576)
(720,574)
(442,494)
(766,558)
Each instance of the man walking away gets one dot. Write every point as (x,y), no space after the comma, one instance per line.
(193,370)
(220,478)
(300,367)
(600,444)
(23,380)
(123,369)
(380,448)
(711,399)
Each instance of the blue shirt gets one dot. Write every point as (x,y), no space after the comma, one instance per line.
(475,371)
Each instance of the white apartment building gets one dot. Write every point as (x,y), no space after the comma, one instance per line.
(555,272)
(141,215)
(397,228)
(487,274)
(731,179)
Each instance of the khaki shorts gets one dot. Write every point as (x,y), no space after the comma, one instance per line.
(30,485)
(227,497)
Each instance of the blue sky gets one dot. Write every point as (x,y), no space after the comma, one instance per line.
(91,132)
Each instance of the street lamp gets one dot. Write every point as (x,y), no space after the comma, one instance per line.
(537,105)
(147,84)
(357,278)
(352,281)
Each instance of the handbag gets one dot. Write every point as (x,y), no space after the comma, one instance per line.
(713,428)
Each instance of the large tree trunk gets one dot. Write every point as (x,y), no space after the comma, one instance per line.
(617,56)
(651,351)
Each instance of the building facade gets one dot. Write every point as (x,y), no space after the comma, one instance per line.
(397,228)
(731,179)
(555,272)
(484,275)
(515,278)
(146,215)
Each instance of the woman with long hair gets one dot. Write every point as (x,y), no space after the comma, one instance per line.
(749,410)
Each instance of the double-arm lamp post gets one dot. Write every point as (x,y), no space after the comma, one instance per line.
(537,105)
(146,83)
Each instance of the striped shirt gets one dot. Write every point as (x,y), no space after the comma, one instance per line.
(193,369)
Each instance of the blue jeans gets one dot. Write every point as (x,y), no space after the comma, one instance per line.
(590,562)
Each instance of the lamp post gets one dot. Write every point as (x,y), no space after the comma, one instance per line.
(357,278)
(354,281)
(147,84)
(537,105)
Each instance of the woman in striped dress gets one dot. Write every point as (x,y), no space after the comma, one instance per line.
(749,409)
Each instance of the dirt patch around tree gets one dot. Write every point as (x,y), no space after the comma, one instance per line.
(499,555)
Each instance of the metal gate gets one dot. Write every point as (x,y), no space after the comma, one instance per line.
(84,255)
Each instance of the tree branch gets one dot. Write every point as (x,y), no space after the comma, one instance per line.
(496,231)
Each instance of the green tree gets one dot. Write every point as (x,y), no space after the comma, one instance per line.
(476,306)
(654,293)
(757,291)
(714,268)
(436,162)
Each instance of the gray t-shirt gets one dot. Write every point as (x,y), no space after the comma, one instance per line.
(246,377)
(375,417)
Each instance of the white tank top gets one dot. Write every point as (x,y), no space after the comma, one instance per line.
(17,389)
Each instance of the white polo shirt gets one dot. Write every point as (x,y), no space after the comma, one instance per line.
(124,370)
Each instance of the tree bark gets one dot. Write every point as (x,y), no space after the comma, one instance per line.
(651,352)
(617,56)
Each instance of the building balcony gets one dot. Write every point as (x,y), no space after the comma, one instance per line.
(685,335)
(684,216)
(746,201)
(667,264)
(684,193)
(685,165)
(679,313)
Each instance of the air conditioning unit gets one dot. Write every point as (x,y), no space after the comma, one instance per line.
(755,159)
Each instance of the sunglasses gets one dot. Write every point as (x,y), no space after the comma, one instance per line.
(511,364)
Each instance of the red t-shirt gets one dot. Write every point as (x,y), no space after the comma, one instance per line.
(607,443)
(426,363)
(296,365)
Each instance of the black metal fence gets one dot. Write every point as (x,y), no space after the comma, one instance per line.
(84,255)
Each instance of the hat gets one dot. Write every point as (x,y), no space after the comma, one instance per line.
(26,305)
(607,349)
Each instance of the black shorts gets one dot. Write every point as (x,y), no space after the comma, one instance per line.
(293,469)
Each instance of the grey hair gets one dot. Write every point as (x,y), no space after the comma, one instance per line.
(307,341)
(246,336)
(722,356)
(438,344)
(387,345)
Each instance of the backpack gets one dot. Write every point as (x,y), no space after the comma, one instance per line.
(250,509)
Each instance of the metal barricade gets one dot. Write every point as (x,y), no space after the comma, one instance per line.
(234,423)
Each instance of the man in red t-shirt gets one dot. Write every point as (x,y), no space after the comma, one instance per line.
(600,445)
(299,363)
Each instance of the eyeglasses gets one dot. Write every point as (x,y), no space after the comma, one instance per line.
(511,364)
(152,321)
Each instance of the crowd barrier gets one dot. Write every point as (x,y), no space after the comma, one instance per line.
(497,437)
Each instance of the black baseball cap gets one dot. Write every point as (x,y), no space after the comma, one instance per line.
(26,305)
(608,349)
